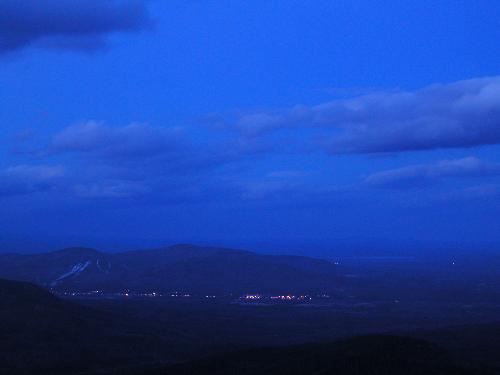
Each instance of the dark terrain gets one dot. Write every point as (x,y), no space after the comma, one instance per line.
(40,333)
(365,355)
(362,317)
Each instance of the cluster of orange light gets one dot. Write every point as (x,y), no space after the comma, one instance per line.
(291,297)
(252,296)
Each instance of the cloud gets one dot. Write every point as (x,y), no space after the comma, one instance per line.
(67,24)
(462,114)
(480,191)
(280,184)
(270,185)
(111,190)
(427,174)
(155,150)
(24,179)
(139,161)
(131,141)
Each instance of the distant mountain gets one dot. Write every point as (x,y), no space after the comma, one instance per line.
(42,334)
(366,355)
(55,268)
(183,268)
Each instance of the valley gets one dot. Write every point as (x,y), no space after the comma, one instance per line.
(156,308)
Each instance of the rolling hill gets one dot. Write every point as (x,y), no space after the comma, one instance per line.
(184,268)
(364,355)
(40,333)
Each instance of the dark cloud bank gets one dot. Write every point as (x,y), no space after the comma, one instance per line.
(457,115)
(67,24)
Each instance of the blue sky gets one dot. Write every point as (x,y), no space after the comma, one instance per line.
(284,125)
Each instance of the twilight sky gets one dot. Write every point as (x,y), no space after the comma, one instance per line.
(297,125)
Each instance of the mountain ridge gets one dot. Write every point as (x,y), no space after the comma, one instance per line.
(181,267)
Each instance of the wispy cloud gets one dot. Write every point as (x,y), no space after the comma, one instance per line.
(24,179)
(129,141)
(427,174)
(111,189)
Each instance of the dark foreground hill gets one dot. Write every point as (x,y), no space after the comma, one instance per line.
(479,342)
(42,334)
(366,355)
(39,333)
(182,268)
